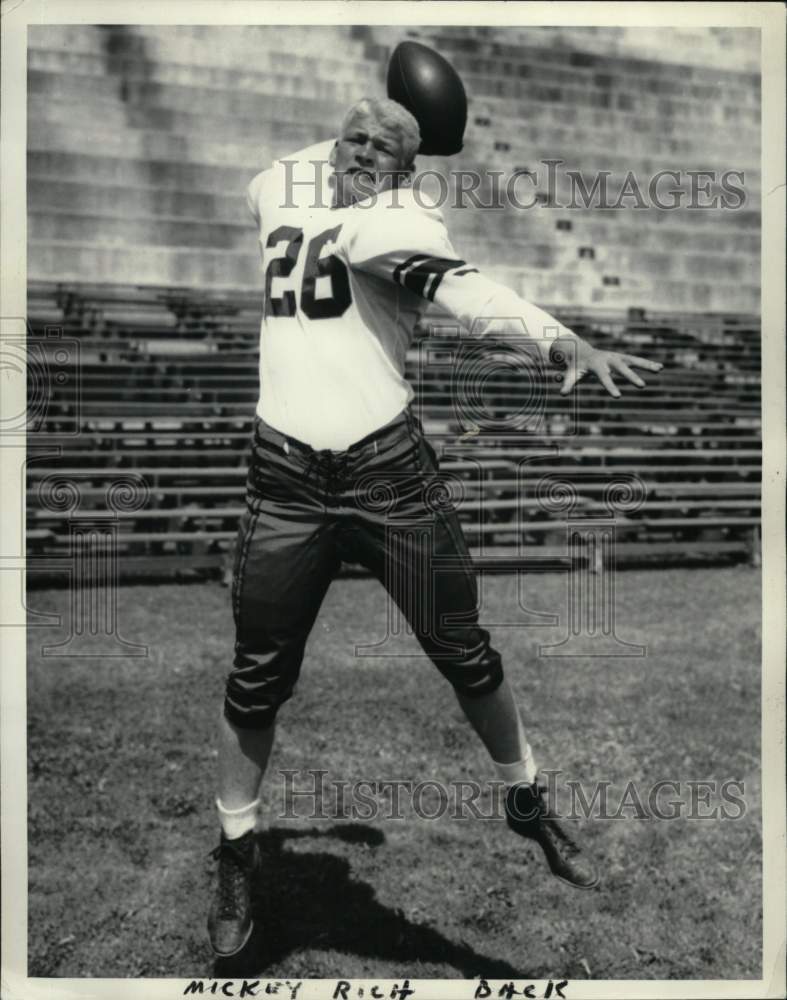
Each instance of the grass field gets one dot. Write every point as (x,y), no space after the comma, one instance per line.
(121,786)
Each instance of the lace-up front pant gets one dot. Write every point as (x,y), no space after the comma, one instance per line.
(378,504)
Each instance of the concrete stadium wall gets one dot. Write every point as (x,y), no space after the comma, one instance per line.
(141,141)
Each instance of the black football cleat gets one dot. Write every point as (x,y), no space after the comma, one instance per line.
(529,815)
(229,920)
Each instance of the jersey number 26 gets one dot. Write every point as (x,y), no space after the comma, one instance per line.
(327,307)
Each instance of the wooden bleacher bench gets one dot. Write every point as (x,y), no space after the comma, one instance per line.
(209,550)
(696,516)
(692,437)
(39,539)
(653,489)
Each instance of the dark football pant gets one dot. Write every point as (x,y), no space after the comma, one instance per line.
(380,504)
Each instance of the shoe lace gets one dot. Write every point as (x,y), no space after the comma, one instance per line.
(234,867)
(551,826)
(559,837)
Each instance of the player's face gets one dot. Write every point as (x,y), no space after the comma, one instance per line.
(368,158)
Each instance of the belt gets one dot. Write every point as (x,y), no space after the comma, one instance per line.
(288,444)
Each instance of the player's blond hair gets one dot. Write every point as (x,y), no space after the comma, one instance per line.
(392,116)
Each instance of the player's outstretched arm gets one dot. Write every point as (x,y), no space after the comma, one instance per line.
(409,245)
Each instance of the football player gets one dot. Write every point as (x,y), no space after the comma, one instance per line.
(346,279)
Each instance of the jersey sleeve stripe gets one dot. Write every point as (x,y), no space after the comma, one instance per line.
(446,266)
(422,274)
(401,270)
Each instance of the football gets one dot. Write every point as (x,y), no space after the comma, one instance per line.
(429,87)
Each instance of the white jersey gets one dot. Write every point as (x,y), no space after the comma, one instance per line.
(344,288)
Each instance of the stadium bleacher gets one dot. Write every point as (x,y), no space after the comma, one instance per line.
(175,422)
(141,142)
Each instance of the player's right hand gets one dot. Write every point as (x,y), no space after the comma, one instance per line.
(584,359)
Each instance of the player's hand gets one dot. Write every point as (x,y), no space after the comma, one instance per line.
(584,359)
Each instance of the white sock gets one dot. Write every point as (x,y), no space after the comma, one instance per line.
(236,822)
(520,771)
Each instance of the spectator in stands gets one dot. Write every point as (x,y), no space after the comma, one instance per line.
(339,459)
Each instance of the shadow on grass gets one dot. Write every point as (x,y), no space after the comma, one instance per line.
(311,900)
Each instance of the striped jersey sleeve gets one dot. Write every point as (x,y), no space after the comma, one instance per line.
(404,242)
(423,273)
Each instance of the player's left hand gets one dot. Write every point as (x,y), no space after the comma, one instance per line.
(602,364)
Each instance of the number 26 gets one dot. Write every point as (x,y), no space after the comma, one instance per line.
(315,267)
